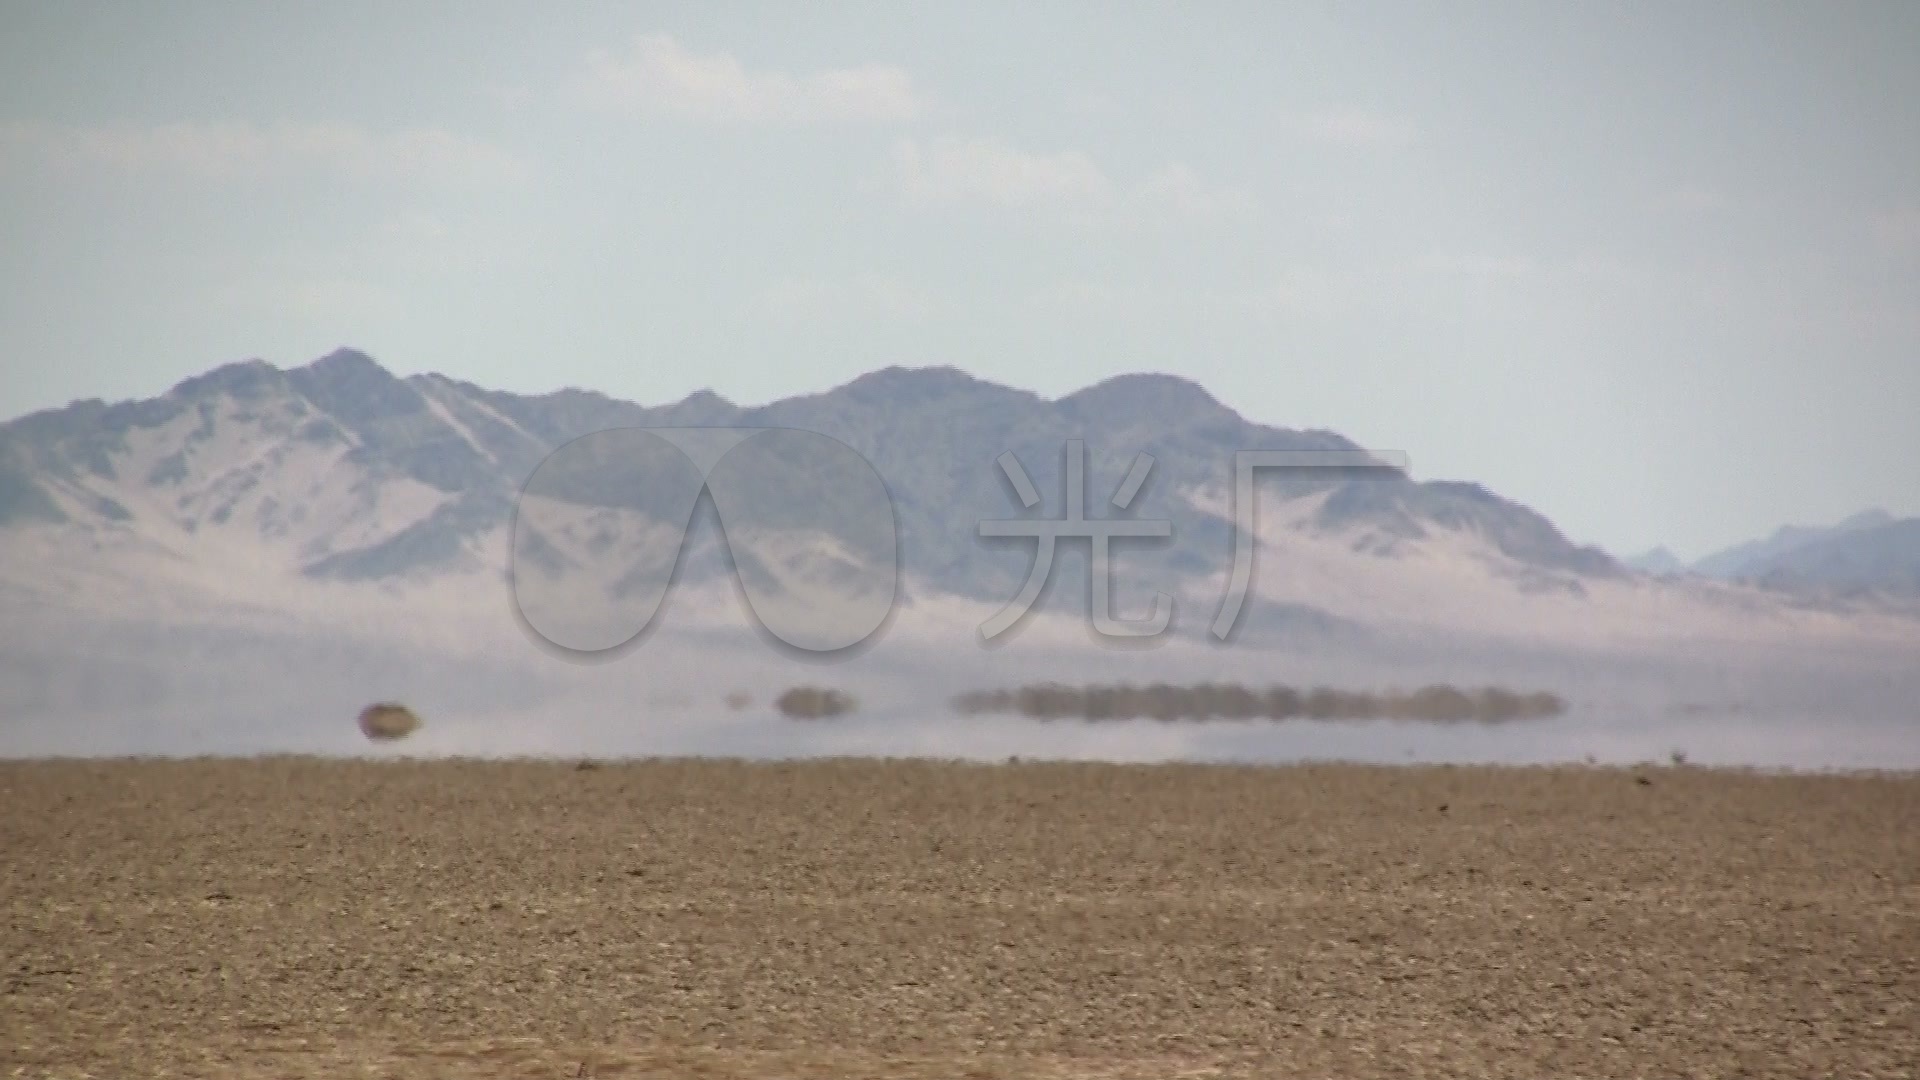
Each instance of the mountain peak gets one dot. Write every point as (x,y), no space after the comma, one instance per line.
(702,407)
(1742,559)
(345,360)
(905,384)
(1867,519)
(355,388)
(1142,394)
(242,379)
(1659,560)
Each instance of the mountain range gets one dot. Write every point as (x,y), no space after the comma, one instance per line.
(313,534)
(1871,552)
(341,471)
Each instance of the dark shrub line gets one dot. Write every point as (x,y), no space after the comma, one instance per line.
(1207,701)
(814,703)
(387,721)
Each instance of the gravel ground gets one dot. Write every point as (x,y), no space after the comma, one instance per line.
(305,918)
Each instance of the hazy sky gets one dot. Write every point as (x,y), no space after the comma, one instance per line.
(1653,269)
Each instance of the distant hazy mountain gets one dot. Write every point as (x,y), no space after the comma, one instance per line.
(1867,558)
(243,562)
(1743,561)
(340,471)
(1659,561)
(1871,553)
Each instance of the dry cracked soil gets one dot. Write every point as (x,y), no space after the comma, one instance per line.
(723,920)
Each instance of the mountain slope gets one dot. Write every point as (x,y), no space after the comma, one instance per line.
(1741,560)
(339,491)
(340,471)
(1658,561)
(1865,558)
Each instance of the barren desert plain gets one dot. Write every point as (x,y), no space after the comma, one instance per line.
(296,917)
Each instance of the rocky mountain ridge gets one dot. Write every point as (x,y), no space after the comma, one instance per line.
(339,470)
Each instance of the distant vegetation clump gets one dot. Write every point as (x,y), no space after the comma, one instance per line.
(1207,701)
(387,721)
(814,703)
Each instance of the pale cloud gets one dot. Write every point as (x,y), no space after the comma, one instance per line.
(414,229)
(318,300)
(1181,190)
(1087,103)
(659,75)
(1317,292)
(240,151)
(436,247)
(1306,293)
(1438,283)
(798,301)
(1898,228)
(1474,266)
(1109,301)
(1354,127)
(512,98)
(1699,199)
(1299,293)
(950,170)
(364,275)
